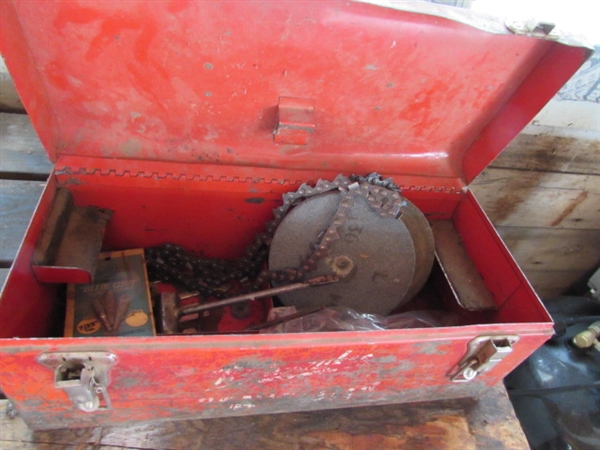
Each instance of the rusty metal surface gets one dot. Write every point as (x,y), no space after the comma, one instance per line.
(68,247)
(462,275)
(312,282)
(379,257)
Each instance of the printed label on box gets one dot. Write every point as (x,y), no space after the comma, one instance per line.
(117,303)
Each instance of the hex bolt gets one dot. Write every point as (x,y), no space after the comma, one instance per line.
(342,264)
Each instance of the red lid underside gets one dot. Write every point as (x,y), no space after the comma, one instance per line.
(389,91)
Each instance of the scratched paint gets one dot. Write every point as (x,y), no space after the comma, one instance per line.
(155,47)
(276,373)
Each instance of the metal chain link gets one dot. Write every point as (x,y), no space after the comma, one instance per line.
(212,277)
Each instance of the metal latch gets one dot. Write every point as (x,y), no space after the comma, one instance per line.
(483,353)
(84,377)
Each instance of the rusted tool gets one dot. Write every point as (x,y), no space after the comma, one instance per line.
(170,313)
(296,315)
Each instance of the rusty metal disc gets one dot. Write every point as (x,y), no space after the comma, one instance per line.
(382,262)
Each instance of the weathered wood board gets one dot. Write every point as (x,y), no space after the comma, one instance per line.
(539,249)
(552,283)
(9,98)
(3,277)
(520,198)
(486,423)
(572,151)
(21,153)
(18,200)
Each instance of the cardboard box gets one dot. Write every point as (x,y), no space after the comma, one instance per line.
(117,303)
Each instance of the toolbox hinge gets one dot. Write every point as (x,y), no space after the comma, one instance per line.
(67,170)
(483,353)
(84,376)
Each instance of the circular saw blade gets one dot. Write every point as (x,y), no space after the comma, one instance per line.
(375,257)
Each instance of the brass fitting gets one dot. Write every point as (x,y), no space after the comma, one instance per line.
(589,337)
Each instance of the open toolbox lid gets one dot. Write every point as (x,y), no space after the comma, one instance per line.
(347,86)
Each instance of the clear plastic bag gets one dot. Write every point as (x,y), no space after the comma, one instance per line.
(346,319)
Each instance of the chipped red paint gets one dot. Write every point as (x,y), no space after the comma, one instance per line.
(165,113)
(182,377)
(416,94)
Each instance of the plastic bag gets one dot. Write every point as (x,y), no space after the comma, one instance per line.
(346,319)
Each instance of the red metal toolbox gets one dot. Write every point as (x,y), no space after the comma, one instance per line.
(190,119)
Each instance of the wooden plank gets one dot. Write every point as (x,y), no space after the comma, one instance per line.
(520,198)
(14,430)
(9,98)
(18,200)
(23,155)
(546,151)
(487,422)
(8,445)
(539,249)
(552,283)
(3,277)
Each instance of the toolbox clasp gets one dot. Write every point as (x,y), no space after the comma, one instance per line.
(483,353)
(83,376)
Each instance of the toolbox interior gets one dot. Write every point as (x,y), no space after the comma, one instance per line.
(220,218)
(446,93)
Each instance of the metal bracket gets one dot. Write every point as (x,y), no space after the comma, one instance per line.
(483,353)
(535,28)
(68,247)
(84,376)
(295,122)
(459,270)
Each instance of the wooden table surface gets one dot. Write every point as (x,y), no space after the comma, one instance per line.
(488,422)
(484,423)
